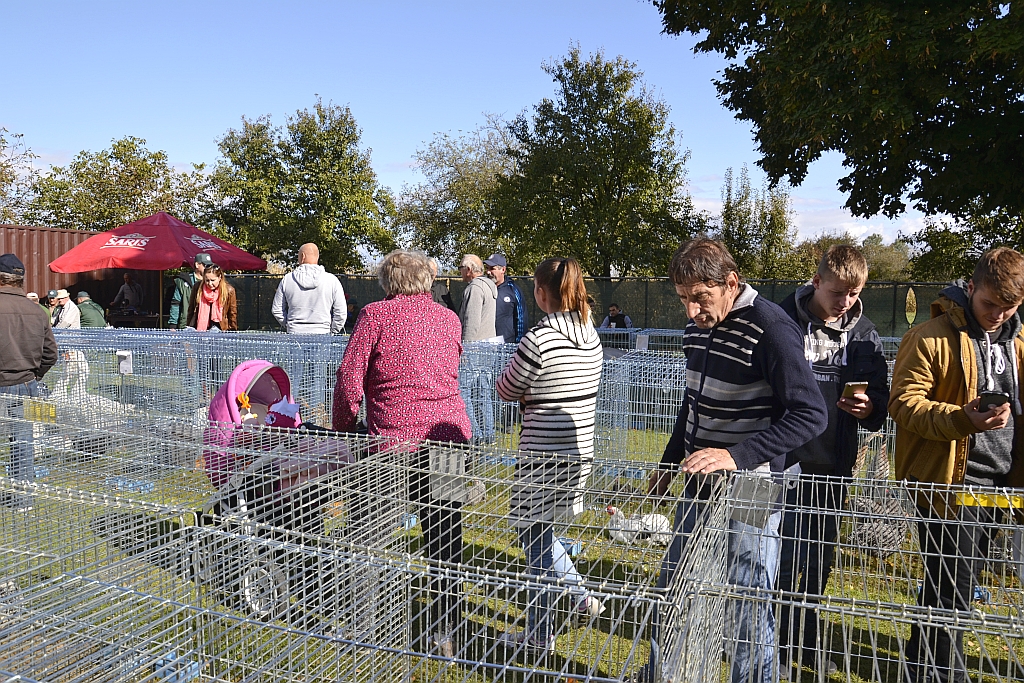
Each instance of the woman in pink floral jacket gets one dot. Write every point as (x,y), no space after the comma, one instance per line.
(403,360)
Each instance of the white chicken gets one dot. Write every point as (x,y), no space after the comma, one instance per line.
(654,528)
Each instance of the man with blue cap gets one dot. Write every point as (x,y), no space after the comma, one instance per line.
(27,351)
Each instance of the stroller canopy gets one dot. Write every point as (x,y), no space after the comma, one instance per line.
(263,382)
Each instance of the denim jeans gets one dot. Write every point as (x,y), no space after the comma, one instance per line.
(547,558)
(476,383)
(752,561)
(12,405)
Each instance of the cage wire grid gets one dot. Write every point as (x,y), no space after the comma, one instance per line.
(877,569)
(866,616)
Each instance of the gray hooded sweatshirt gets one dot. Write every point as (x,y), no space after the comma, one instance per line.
(825,352)
(479,303)
(310,300)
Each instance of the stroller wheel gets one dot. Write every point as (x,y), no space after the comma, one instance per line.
(264,590)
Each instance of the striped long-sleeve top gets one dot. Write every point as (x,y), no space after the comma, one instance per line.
(749,389)
(555,373)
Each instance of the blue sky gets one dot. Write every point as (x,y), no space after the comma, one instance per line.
(79,74)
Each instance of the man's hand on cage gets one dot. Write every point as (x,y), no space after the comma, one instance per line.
(708,460)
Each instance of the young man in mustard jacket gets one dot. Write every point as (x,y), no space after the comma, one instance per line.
(971,346)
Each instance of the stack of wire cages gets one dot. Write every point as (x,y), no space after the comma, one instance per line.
(121,373)
(641,393)
(276,573)
(617,338)
(651,339)
(495,422)
(927,588)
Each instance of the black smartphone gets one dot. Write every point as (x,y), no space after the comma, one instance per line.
(992,399)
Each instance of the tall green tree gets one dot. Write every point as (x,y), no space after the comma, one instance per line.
(597,172)
(886,262)
(17,174)
(451,212)
(102,190)
(757,228)
(309,181)
(923,99)
(949,249)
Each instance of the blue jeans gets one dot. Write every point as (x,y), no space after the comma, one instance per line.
(547,558)
(12,406)
(476,383)
(752,561)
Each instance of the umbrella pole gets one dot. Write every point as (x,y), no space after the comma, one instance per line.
(160,320)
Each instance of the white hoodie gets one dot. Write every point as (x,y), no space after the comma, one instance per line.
(310,300)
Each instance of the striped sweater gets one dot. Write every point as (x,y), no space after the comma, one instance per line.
(748,388)
(555,373)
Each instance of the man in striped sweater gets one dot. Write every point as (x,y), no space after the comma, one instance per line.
(750,400)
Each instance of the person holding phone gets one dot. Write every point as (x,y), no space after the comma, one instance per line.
(956,403)
(843,349)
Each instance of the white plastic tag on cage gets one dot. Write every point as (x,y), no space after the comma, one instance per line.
(641,342)
(124,362)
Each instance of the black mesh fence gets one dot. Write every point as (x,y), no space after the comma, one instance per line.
(651,303)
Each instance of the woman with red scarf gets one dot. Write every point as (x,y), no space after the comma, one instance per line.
(214,306)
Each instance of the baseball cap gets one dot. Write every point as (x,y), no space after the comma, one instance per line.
(33,296)
(12,265)
(496,260)
(63,294)
(203,259)
(83,295)
(52,294)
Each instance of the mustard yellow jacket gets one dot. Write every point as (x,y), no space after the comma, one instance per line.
(936,374)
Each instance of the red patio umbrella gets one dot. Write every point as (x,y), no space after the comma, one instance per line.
(157,242)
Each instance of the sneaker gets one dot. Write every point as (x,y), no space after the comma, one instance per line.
(588,608)
(520,641)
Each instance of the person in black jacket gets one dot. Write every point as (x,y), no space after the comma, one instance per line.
(27,351)
(841,345)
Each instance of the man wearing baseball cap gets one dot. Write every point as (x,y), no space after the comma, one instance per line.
(93,314)
(510,316)
(66,315)
(27,351)
(184,284)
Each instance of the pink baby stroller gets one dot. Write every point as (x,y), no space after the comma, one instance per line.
(272,475)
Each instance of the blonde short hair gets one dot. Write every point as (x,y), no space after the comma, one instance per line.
(405,272)
(845,264)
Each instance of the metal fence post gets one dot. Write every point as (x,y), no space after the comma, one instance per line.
(895,290)
(647,308)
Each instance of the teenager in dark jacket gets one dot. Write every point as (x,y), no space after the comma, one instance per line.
(840,345)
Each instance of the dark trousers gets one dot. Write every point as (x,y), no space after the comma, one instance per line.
(953,551)
(810,527)
(442,534)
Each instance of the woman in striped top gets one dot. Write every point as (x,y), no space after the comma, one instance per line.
(555,374)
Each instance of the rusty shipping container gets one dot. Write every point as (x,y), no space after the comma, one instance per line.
(37,246)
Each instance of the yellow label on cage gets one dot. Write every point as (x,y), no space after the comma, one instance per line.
(40,411)
(989,500)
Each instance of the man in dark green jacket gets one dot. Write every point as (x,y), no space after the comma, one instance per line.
(92,313)
(184,283)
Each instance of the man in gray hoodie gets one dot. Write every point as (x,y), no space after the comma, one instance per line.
(479,300)
(310,300)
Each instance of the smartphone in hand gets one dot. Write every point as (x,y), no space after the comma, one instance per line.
(992,399)
(852,388)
